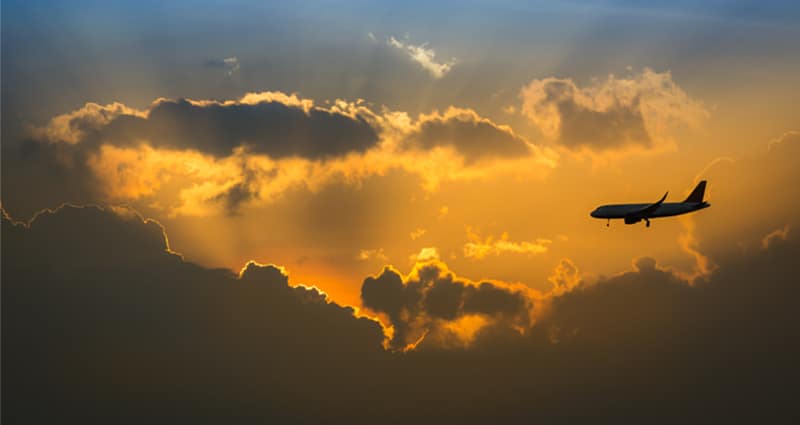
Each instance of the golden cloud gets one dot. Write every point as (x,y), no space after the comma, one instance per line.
(73,126)
(433,307)
(201,157)
(479,248)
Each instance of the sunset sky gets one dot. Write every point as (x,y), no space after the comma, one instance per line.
(424,171)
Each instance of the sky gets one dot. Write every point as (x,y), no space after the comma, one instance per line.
(360,200)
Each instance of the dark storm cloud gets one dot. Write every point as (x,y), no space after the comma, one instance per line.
(434,294)
(102,323)
(472,136)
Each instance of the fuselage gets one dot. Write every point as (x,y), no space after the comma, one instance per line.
(666,209)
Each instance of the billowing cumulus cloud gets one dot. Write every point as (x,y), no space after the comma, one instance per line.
(101,321)
(610,114)
(430,305)
(96,307)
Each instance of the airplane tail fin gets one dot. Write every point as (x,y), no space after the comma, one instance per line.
(697,193)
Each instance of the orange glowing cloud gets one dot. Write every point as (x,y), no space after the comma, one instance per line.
(432,306)
(202,157)
(478,248)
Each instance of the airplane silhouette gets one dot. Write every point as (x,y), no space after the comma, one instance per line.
(634,213)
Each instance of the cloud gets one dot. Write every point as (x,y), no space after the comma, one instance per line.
(372,254)
(425,254)
(776,235)
(230,64)
(426,306)
(270,126)
(95,304)
(690,244)
(74,126)
(660,307)
(479,249)
(241,192)
(424,56)
(470,134)
(565,277)
(610,114)
(765,181)
(791,136)
(201,157)
(101,321)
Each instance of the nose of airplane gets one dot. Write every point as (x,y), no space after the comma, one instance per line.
(594,213)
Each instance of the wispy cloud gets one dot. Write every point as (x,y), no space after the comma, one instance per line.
(778,234)
(372,254)
(429,253)
(230,64)
(424,56)
(784,138)
(417,233)
(479,249)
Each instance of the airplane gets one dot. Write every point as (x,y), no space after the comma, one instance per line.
(634,213)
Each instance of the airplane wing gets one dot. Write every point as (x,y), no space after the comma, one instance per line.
(646,211)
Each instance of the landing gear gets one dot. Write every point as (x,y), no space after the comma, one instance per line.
(608,223)
(647,223)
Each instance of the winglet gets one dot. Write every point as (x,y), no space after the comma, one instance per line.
(646,211)
(697,193)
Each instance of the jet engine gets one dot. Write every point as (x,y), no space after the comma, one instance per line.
(632,219)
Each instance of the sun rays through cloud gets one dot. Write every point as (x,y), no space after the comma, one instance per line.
(270,212)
